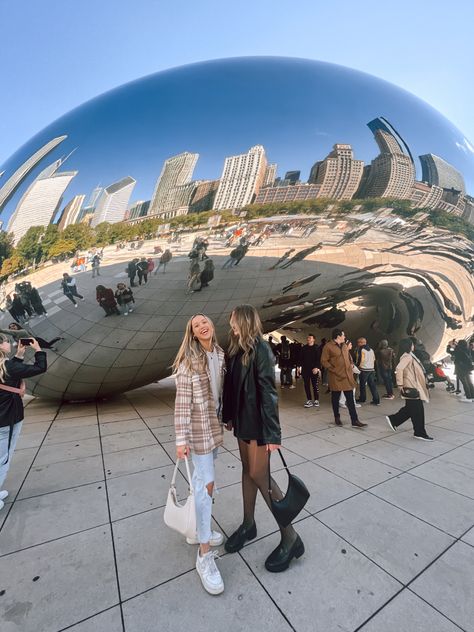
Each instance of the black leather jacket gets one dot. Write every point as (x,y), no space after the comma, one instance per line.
(250,396)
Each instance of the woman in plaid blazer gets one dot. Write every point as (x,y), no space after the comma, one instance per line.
(199,371)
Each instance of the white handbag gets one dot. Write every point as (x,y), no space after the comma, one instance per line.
(181,517)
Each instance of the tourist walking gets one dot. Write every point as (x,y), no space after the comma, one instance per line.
(251,409)
(385,365)
(310,359)
(142,270)
(207,274)
(95,264)
(365,362)
(106,299)
(12,373)
(411,381)
(131,271)
(285,363)
(336,359)
(199,370)
(36,302)
(125,299)
(69,287)
(15,308)
(151,265)
(463,366)
(164,260)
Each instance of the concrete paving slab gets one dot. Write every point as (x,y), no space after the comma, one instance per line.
(408,613)
(436,505)
(30,440)
(119,427)
(460,456)
(460,423)
(108,621)
(469,537)
(392,454)
(159,421)
(43,518)
(431,448)
(110,417)
(344,437)
(148,553)
(142,491)
(56,476)
(447,585)
(60,434)
(135,460)
(127,440)
(234,611)
(20,464)
(398,542)
(357,469)
(449,475)
(67,451)
(32,428)
(345,586)
(76,422)
(76,575)
(311,446)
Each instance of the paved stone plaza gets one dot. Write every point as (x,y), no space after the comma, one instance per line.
(388,529)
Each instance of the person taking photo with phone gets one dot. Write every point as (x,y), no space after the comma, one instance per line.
(12,388)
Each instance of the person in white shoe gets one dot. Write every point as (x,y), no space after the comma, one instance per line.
(463,366)
(12,373)
(411,380)
(199,370)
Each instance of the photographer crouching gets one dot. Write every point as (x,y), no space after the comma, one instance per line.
(12,388)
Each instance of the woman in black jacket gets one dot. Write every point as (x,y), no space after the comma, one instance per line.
(12,373)
(463,367)
(251,408)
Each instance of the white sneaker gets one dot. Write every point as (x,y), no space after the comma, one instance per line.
(209,573)
(316,403)
(2,505)
(309,404)
(392,427)
(358,405)
(342,405)
(3,494)
(465,400)
(216,539)
(292,386)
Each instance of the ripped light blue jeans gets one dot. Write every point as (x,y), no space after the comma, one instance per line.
(203,474)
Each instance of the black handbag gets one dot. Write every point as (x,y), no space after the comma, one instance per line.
(296,497)
(410,393)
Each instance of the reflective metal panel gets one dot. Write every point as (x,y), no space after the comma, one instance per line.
(323,153)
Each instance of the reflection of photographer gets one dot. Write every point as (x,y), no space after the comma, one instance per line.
(12,388)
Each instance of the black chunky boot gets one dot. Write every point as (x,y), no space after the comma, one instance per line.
(280,558)
(237,540)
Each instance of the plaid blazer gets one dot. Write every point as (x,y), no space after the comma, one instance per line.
(195,417)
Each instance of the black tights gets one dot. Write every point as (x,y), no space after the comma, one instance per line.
(255,476)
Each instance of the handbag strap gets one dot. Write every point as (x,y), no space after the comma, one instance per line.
(173,480)
(269,472)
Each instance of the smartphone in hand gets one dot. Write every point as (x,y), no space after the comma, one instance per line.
(25,342)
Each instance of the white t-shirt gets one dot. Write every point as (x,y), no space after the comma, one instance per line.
(216,377)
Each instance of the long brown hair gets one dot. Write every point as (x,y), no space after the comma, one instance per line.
(3,359)
(191,355)
(250,326)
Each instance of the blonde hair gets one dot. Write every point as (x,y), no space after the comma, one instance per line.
(3,359)
(250,326)
(191,355)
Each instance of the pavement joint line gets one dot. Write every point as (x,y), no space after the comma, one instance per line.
(112,535)
(69,627)
(438,485)
(55,491)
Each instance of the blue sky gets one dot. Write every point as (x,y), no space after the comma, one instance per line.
(59,53)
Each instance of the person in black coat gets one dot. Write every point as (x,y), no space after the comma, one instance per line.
(463,366)
(12,373)
(131,271)
(311,370)
(250,407)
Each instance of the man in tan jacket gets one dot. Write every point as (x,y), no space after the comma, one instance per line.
(336,359)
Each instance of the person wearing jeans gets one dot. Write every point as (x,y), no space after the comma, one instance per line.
(411,375)
(463,366)
(365,361)
(336,359)
(385,363)
(12,373)
(199,370)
